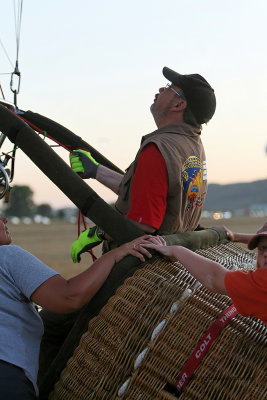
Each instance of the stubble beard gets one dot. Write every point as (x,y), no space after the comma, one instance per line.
(158,116)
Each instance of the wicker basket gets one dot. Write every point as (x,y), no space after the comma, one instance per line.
(144,335)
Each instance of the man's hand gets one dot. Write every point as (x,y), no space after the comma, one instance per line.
(230,234)
(88,239)
(82,162)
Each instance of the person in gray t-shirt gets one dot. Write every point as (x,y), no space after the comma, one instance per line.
(26,281)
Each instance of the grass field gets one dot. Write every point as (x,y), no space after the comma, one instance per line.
(51,243)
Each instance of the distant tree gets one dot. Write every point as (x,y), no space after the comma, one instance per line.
(44,209)
(61,213)
(20,202)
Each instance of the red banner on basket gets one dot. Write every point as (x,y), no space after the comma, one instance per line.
(203,346)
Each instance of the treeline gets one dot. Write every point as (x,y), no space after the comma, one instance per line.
(21,204)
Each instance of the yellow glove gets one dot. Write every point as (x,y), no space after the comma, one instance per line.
(88,239)
(83,163)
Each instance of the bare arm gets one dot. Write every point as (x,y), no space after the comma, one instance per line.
(242,237)
(109,178)
(208,272)
(236,236)
(64,296)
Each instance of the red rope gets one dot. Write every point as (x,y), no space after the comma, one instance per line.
(80,215)
(45,134)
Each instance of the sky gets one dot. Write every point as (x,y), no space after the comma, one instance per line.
(95,67)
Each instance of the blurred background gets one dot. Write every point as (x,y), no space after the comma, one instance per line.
(95,67)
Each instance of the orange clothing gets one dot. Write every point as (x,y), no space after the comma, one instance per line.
(248,290)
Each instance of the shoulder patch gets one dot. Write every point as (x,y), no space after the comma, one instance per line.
(192,176)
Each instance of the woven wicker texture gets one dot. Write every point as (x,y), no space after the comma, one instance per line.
(143,337)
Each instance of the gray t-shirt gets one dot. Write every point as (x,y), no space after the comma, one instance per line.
(21,327)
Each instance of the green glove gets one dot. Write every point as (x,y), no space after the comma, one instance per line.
(82,162)
(88,239)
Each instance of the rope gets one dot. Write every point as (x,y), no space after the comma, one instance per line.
(80,215)
(44,133)
(2,91)
(3,47)
(17,17)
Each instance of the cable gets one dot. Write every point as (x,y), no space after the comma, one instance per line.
(2,92)
(3,47)
(17,17)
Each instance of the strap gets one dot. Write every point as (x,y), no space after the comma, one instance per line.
(201,349)
(89,202)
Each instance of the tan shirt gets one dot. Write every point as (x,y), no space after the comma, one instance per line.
(183,152)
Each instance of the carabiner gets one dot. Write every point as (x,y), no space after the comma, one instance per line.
(15,91)
(4,181)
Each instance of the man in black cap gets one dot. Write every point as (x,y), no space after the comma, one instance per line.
(164,188)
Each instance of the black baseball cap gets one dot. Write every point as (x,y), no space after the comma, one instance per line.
(199,94)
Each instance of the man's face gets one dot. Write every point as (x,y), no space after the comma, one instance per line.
(164,100)
(262,252)
(4,234)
